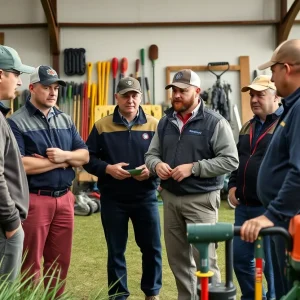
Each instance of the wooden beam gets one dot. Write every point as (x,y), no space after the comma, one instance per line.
(1,38)
(21,25)
(287,21)
(147,24)
(172,24)
(246,113)
(48,6)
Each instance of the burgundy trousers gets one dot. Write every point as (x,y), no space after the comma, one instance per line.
(48,234)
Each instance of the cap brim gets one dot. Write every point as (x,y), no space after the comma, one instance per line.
(51,81)
(122,92)
(266,65)
(178,84)
(25,69)
(254,87)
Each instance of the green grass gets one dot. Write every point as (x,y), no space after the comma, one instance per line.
(87,274)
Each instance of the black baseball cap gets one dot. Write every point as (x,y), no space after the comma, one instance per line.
(45,75)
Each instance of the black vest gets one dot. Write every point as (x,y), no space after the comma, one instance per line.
(191,145)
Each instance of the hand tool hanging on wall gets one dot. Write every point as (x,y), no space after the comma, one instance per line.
(220,101)
(103,82)
(89,78)
(107,82)
(123,67)
(99,71)
(148,90)
(114,66)
(153,56)
(142,54)
(137,68)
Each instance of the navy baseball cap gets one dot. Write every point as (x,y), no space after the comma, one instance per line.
(45,75)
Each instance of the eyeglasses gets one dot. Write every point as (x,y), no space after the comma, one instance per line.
(283,63)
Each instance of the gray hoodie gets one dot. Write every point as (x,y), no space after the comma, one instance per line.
(14,194)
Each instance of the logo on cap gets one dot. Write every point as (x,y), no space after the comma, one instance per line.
(179,75)
(51,72)
(129,82)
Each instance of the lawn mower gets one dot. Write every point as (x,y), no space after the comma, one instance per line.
(201,235)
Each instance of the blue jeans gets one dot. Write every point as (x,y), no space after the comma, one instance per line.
(143,212)
(282,286)
(243,256)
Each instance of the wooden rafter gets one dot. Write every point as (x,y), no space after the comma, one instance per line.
(1,38)
(287,20)
(50,12)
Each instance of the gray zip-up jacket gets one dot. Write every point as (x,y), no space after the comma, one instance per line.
(14,194)
(205,140)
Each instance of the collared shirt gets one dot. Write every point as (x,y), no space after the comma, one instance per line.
(34,135)
(126,123)
(180,122)
(51,113)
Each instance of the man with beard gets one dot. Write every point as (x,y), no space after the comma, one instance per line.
(191,150)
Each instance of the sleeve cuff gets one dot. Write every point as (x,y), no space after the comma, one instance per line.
(197,168)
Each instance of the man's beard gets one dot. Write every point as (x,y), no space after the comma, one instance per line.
(181,106)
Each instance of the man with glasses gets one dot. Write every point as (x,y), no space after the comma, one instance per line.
(117,144)
(14,196)
(278,182)
(191,151)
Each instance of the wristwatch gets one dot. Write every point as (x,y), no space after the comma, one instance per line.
(193,169)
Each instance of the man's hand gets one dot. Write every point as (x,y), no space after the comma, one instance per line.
(117,172)
(251,228)
(181,172)
(62,165)
(144,175)
(232,198)
(56,155)
(163,170)
(9,234)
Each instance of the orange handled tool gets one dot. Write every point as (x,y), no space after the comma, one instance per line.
(124,66)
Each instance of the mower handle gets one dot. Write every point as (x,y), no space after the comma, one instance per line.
(276,230)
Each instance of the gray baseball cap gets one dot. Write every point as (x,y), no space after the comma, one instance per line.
(10,60)
(185,78)
(45,75)
(128,84)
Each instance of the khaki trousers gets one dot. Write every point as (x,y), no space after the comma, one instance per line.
(182,257)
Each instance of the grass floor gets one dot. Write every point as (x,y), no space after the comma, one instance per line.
(87,274)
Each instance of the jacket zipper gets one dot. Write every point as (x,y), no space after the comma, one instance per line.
(253,151)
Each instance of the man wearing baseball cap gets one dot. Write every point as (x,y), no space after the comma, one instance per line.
(191,151)
(50,147)
(254,139)
(278,182)
(14,196)
(117,143)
